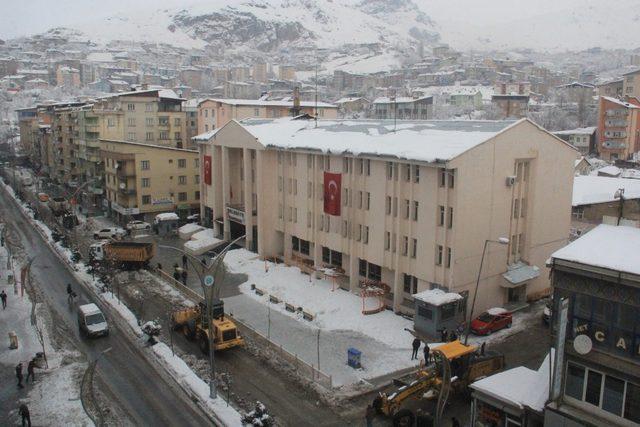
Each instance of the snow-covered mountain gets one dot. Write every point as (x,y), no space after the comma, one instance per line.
(268,25)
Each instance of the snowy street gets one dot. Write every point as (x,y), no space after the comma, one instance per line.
(122,373)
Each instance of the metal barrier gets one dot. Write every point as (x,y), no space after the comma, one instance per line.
(308,371)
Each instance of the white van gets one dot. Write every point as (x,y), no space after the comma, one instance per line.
(91,321)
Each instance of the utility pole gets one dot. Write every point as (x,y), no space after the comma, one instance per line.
(316,114)
(211,277)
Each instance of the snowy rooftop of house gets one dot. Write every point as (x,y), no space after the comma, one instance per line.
(437,297)
(455,90)
(589,189)
(606,246)
(162,93)
(610,170)
(619,102)
(349,99)
(272,103)
(520,387)
(578,131)
(427,140)
(399,100)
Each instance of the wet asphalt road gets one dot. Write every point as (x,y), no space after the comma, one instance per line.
(144,395)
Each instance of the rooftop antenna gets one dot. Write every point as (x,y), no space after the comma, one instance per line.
(395,108)
(316,114)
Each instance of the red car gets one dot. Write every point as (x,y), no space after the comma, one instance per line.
(491,321)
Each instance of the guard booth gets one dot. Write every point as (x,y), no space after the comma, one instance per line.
(436,310)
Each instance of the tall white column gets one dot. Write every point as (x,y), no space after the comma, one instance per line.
(225,167)
(248,197)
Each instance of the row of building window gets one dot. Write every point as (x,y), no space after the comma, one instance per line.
(150,121)
(182,197)
(406,249)
(182,163)
(610,394)
(409,172)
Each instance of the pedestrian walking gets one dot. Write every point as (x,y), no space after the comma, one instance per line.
(184,261)
(426,351)
(184,277)
(19,374)
(30,371)
(203,261)
(416,347)
(369,415)
(3,297)
(176,275)
(24,413)
(443,335)
(159,267)
(455,422)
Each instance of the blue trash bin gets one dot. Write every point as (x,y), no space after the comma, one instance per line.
(353,358)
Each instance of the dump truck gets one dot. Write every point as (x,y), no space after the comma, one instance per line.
(125,254)
(193,323)
(457,365)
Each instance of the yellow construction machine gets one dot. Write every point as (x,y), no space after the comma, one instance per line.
(455,367)
(193,324)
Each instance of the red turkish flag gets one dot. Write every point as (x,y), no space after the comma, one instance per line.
(332,191)
(207,170)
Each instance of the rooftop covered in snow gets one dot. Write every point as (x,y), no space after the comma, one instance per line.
(271,103)
(588,190)
(437,297)
(578,131)
(607,246)
(426,140)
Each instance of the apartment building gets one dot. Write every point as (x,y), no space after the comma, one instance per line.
(411,209)
(584,139)
(142,180)
(631,84)
(403,108)
(613,88)
(215,113)
(598,382)
(618,128)
(153,117)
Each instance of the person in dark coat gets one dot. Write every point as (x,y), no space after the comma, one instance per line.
(455,422)
(3,297)
(416,347)
(30,371)
(19,374)
(184,261)
(369,415)
(443,335)
(184,277)
(26,417)
(426,350)
(176,275)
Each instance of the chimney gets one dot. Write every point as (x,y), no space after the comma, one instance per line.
(296,101)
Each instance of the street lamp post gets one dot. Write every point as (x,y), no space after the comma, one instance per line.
(211,277)
(501,241)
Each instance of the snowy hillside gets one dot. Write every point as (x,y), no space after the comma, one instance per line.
(268,25)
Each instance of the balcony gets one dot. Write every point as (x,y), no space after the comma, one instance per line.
(614,145)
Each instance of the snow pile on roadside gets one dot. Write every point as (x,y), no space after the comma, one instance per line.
(338,310)
(187,378)
(200,246)
(55,398)
(186,231)
(205,233)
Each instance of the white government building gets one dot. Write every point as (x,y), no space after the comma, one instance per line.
(412,206)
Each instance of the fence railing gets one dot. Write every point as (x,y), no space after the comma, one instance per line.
(306,370)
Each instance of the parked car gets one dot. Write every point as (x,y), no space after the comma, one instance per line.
(490,321)
(138,225)
(91,321)
(110,233)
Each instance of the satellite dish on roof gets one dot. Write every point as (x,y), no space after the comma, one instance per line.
(582,344)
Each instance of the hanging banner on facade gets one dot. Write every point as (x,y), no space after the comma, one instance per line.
(207,170)
(332,184)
